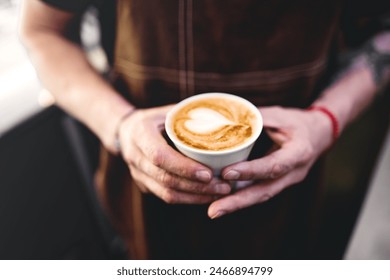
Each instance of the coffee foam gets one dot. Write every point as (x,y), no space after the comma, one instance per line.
(214,124)
(205,120)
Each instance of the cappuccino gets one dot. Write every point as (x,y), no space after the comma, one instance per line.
(214,123)
(216,129)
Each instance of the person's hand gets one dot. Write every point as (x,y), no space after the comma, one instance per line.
(301,136)
(158,168)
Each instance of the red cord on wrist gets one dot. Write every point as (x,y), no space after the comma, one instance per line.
(331,116)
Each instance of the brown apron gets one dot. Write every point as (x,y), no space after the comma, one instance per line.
(270,52)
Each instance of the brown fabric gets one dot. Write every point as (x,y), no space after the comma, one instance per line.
(270,52)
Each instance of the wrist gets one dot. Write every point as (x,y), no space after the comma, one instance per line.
(326,122)
(117,139)
(347,98)
(110,132)
(331,118)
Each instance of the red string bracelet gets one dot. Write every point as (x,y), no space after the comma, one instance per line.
(331,116)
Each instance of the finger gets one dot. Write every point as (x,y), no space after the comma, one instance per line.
(272,116)
(160,154)
(170,196)
(255,194)
(172,181)
(246,197)
(277,135)
(150,141)
(274,165)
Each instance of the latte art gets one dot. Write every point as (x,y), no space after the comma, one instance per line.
(204,120)
(213,124)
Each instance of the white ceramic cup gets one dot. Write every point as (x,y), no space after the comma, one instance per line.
(216,160)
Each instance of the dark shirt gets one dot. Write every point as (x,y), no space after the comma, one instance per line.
(69,5)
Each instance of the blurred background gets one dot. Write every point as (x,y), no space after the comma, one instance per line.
(48,209)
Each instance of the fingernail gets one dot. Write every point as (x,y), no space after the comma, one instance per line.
(218,215)
(232,175)
(222,188)
(203,175)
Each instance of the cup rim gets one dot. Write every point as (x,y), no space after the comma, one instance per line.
(247,143)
